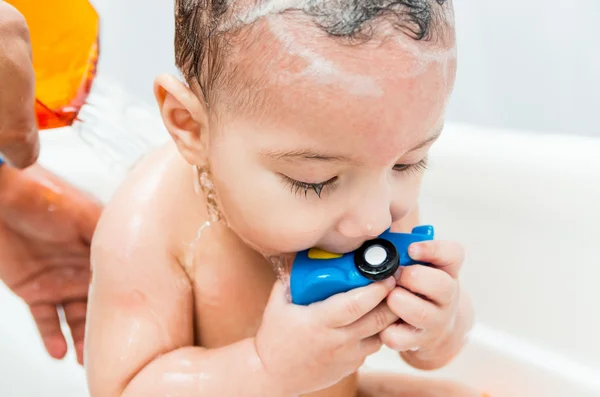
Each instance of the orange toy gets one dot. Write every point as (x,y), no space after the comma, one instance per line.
(64,39)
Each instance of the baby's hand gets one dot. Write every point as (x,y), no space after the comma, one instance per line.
(426,299)
(308,348)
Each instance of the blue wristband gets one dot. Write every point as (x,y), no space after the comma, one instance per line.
(1,161)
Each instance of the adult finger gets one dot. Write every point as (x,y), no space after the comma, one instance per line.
(48,324)
(75,313)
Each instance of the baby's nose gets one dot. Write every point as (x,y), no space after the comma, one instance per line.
(356,229)
(366,221)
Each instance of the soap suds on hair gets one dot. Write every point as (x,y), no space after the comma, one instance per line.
(244,17)
(337,18)
(354,20)
(422,58)
(321,69)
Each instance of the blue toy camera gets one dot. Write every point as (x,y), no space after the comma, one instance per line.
(317,274)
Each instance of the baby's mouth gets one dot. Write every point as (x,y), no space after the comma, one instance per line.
(342,249)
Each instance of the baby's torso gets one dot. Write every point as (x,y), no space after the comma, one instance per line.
(231,283)
(231,287)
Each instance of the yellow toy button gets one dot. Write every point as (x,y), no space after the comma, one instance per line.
(316,253)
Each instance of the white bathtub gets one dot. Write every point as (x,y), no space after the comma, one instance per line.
(526,206)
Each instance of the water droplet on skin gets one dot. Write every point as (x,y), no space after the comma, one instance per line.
(203,184)
(186,363)
(196,181)
(194,245)
(282,266)
(131,337)
(208,188)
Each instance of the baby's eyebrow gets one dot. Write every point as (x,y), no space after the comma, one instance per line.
(311,154)
(304,154)
(427,141)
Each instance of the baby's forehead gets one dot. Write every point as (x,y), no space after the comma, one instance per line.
(321,90)
(289,52)
(285,48)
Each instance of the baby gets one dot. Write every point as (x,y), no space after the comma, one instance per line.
(304,124)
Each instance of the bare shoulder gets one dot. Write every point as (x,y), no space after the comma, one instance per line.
(153,206)
(141,301)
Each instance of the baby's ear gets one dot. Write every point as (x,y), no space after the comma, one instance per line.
(185,116)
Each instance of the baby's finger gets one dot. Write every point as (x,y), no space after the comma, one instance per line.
(373,322)
(402,337)
(48,324)
(370,345)
(345,308)
(432,283)
(75,312)
(414,310)
(445,255)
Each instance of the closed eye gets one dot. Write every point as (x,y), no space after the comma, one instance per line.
(415,168)
(299,186)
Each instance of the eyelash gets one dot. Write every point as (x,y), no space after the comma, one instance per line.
(415,169)
(318,188)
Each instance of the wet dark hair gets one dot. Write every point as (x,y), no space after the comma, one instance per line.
(200,40)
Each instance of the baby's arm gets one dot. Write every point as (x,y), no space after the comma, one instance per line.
(140,334)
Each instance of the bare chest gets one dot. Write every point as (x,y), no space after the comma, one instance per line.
(231,289)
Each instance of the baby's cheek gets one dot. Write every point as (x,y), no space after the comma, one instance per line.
(264,212)
(265,222)
(284,231)
(405,200)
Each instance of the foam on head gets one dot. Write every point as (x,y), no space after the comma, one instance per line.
(320,69)
(244,13)
(416,19)
(339,17)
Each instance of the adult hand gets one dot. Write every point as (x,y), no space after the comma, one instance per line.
(46,227)
(19,140)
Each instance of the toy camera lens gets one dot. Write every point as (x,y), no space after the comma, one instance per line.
(377,259)
(375,255)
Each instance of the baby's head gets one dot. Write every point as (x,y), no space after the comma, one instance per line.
(315,117)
